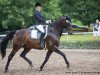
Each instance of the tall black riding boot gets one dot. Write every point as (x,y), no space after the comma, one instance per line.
(42,41)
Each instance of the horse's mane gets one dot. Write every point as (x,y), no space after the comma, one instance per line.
(54,25)
(54,22)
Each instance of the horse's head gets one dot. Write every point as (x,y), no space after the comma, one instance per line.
(66,24)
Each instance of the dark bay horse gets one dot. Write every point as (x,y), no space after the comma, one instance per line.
(22,38)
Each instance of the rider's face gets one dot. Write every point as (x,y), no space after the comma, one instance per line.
(38,8)
(97,21)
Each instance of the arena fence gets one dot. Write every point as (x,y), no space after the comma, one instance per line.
(80,40)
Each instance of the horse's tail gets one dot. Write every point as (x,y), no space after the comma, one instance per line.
(4,42)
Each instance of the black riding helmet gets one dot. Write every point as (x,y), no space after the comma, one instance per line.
(38,4)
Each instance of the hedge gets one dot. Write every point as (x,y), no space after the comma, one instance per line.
(80,45)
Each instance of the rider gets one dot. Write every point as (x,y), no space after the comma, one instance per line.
(40,22)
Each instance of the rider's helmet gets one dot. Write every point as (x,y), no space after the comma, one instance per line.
(38,4)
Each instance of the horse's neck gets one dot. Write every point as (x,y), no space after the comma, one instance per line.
(58,29)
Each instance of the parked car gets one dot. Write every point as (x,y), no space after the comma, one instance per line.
(77,28)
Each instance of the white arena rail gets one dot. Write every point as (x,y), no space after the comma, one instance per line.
(2,36)
(79,33)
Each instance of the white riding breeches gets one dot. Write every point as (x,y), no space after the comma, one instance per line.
(40,27)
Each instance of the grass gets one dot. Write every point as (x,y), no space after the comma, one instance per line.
(85,41)
(73,38)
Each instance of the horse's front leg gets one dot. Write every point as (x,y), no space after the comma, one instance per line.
(62,54)
(46,59)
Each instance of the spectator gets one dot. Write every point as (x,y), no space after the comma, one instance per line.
(99,29)
(95,29)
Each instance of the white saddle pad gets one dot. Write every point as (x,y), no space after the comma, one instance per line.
(34,34)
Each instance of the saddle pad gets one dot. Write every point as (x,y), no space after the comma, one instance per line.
(34,34)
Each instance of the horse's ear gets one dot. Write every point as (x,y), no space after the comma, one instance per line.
(68,18)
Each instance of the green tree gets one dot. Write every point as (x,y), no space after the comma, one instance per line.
(52,10)
(84,10)
(17,14)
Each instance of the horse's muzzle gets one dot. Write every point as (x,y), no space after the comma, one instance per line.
(70,33)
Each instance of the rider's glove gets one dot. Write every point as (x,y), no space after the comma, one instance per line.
(48,21)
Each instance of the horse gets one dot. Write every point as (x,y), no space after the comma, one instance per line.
(22,39)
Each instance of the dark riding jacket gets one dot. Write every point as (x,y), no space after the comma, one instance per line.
(39,18)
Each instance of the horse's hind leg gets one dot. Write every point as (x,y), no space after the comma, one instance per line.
(10,57)
(46,59)
(23,54)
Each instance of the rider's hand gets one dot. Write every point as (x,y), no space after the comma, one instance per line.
(48,21)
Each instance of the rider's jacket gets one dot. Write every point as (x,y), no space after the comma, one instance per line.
(39,18)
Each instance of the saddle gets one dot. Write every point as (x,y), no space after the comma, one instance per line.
(36,33)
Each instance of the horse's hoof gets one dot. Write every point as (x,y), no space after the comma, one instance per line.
(5,71)
(68,66)
(40,69)
(31,65)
